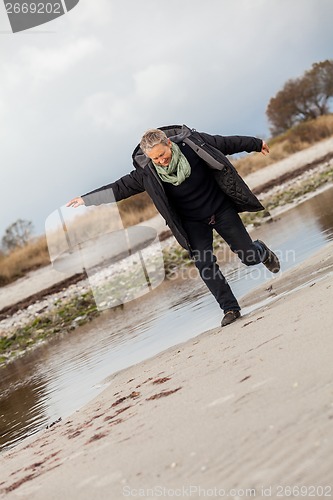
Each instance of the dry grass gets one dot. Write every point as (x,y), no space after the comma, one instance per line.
(140,208)
(104,218)
(21,260)
(296,139)
(136,209)
(95,221)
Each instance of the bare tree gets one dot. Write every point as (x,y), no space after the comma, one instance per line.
(303,98)
(17,234)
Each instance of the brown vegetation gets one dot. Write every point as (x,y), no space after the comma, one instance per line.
(302,99)
(136,209)
(296,139)
(96,221)
(35,254)
(23,259)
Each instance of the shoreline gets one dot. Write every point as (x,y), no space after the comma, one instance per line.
(63,306)
(246,406)
(75,306)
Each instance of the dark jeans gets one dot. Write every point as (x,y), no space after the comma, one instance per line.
(229,225)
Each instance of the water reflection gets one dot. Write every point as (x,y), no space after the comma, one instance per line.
(22,404)
(295,236)
(65,374)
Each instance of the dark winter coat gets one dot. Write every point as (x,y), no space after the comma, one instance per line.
(210,148)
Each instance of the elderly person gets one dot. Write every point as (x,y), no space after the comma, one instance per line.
(196,189)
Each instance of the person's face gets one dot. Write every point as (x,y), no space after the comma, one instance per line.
(161,154)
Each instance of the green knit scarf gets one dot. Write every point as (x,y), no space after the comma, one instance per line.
(178,168)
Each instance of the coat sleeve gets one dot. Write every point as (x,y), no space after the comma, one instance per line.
(229,145)
(126,186)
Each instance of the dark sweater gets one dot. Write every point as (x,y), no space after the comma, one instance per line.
(199,196)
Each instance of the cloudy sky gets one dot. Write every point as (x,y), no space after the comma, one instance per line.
(77,93)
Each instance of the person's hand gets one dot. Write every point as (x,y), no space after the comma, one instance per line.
(75,202)
(264,148)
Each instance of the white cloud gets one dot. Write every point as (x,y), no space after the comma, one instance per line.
(45,64)
(105,109)
(2,113)
(157,88)
(90,13)
(159,82)
(41,65)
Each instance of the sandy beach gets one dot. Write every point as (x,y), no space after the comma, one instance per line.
(243,411)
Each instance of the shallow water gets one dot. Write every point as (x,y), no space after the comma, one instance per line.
(60,377)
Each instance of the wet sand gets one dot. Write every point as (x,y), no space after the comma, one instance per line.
(247,407)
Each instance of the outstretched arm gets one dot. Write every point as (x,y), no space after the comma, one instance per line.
(126,186)
(229,145)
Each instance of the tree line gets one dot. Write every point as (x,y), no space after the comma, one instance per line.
(301,99)
(17,234)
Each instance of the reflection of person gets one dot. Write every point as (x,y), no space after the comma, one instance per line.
(196,189)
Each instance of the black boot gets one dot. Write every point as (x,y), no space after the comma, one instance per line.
(230,317)
(271,261)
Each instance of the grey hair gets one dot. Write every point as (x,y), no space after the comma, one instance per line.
(151,138)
